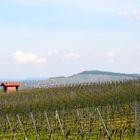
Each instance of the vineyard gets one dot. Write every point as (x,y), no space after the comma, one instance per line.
(103,111)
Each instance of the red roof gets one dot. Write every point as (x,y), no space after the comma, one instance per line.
(10,84)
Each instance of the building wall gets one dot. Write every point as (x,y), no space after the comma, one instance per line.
(10,89)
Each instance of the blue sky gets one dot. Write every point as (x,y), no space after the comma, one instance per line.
(45,38)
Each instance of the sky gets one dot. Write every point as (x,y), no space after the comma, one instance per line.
(47,38)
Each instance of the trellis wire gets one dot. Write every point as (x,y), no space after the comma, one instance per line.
(9,123)
(58,118)
(32,117)
(21,125)
(48,124)
(103,124)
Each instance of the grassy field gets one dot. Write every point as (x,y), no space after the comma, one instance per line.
(88,111)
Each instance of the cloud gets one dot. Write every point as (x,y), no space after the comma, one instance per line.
(133,14)
(65,54)
(2,61)
(110,56)
(72,55)
(107,56)
(122,13)
(53,52)
(20,57)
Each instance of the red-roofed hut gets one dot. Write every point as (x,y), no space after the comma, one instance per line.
(10,86)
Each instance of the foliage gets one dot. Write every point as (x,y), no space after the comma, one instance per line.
(70,97)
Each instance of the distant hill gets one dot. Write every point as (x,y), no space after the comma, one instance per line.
(83,77)
(97,72)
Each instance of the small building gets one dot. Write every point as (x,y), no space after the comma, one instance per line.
(10,86)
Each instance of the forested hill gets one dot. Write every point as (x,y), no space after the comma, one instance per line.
(97,72)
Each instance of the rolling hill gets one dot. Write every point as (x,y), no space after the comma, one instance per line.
(83,77)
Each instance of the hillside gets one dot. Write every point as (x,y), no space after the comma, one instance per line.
(83,77)
(97,72)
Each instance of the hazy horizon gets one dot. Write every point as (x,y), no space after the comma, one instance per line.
(41,39)
(53,76)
